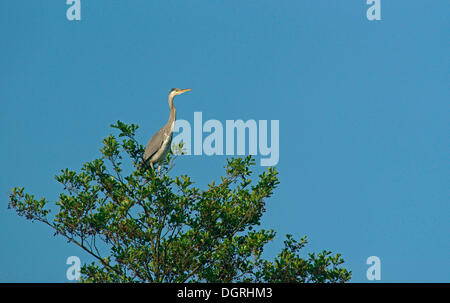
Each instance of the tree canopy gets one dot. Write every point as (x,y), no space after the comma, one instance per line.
(144,227)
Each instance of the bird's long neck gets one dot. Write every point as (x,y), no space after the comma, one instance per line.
(173,111)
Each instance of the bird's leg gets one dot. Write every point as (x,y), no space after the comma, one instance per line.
(151,164)
(159,170)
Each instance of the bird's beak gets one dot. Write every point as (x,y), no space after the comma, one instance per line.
(185,90)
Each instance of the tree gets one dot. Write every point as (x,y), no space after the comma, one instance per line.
(142,227)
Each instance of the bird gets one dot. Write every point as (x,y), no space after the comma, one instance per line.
(159,144)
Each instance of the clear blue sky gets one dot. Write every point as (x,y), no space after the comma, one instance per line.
(363,110)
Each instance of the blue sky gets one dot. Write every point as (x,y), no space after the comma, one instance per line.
(363,111)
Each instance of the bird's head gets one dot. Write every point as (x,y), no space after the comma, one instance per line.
(176,91)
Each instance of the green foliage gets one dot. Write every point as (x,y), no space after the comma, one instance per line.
(163,229)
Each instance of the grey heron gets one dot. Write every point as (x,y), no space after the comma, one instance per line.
(159,145)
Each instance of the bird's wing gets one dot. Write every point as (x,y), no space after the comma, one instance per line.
(153,145)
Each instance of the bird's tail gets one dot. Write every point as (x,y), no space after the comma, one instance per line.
(141,165)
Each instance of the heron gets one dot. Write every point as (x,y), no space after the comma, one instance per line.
(159,145)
